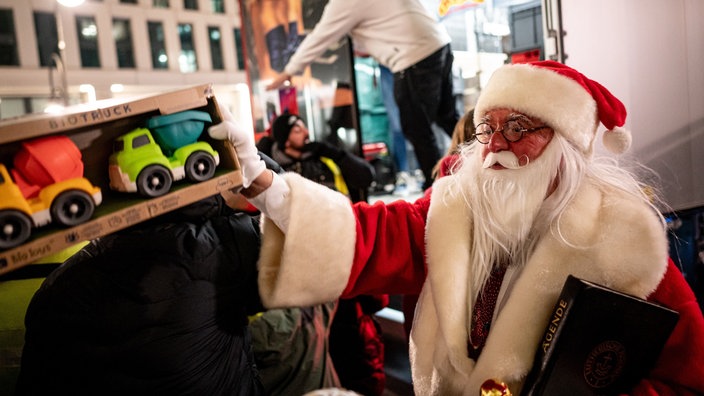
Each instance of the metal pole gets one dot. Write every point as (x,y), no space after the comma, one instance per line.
(60,67)
(552,18)
(59,59)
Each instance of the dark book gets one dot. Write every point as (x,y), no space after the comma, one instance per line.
(598,342)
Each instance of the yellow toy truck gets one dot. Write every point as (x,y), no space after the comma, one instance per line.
(45,185)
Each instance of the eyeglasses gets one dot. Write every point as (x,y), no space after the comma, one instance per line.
(512,131)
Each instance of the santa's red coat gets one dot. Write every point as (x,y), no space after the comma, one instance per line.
(334,249)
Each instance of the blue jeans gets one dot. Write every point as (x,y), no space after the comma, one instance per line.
(424,96)
(398,141)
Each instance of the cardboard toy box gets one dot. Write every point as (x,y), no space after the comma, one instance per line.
(93,128)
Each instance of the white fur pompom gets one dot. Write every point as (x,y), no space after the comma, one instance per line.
(617,140)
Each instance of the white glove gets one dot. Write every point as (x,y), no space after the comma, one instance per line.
(243,140)
(274,203)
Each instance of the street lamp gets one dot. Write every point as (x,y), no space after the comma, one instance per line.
(70,3)
(59,59)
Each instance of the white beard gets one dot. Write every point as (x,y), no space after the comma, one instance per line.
(505,203)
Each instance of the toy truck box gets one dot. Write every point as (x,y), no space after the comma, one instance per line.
(203,168)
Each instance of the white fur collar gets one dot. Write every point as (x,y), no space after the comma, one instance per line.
(623,247)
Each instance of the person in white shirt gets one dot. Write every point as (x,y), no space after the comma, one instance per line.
(403,36)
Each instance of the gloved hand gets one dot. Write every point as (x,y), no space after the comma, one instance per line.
(243,140)
(324,149)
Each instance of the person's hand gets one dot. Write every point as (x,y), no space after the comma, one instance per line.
(277,82)
(243,140)
(323,149)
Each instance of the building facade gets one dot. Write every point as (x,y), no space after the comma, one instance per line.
(116,48)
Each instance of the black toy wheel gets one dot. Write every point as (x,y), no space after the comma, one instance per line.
(72,207)
(154,181)
(200,166)
(15,228)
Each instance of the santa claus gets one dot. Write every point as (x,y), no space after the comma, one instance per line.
(488,247)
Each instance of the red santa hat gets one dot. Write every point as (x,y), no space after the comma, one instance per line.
(570,103)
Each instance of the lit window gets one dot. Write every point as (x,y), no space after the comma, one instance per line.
(218,6)
(215,47)
(239,49)
(8,40)
(88,41)
(190,4)
(47,37)
(158,45)
(187,60)
(122,34)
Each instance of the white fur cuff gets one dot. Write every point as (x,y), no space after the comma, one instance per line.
(311,262)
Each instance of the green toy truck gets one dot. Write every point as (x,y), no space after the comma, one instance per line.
(148,160)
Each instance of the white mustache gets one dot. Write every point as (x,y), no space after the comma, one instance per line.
(506,159)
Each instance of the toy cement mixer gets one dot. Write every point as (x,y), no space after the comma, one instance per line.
(148,160)
(45,185)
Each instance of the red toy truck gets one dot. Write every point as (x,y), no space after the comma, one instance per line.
(45,185)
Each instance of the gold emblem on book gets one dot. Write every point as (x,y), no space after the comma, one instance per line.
(604,364)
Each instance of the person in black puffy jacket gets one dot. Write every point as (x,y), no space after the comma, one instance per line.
(158,309)
(319,161)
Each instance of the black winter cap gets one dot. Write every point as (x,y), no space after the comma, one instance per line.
(281,128)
